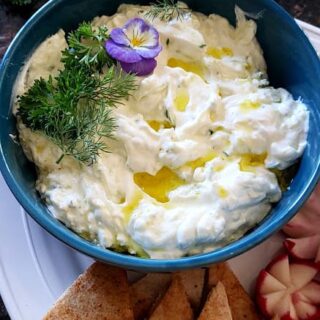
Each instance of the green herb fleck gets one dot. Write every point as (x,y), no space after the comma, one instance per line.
(168,41)
(167,10)
(202,45)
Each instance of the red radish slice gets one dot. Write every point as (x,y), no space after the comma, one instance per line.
(272,301)
(311,292)
(301,226)
(303,248)
(302,273)
(280,270)
(286,290)
(305,310)
(270,283)
(307,222)
(285,308)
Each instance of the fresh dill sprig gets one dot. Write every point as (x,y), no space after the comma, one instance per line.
(86,45)
(167,10)
(74,109)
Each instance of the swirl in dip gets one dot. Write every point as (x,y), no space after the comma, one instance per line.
(190,167)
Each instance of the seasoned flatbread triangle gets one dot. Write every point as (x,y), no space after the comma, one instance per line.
(217,305)
(193,281)
(241,305)
(102,292)
(174,305)
(145,291)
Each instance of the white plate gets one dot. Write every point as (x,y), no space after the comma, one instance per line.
(35,268)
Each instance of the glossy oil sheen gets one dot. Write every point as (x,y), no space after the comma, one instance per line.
(292,64)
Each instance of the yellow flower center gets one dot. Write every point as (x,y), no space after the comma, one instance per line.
(136,42)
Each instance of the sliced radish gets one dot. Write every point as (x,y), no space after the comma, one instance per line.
(270,283)
(272,300)
(280,269)
(302,226)
(318,256)
(285,308)
(285,290)
(304,248)
(307,222)
(302,273)
(311,292)
(305,310)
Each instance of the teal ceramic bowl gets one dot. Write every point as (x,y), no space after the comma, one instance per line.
(292,64)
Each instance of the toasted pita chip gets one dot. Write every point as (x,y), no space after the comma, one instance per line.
(145,291)
(174,305)
(241,305)
(217,305)
(102,292)
(193,281)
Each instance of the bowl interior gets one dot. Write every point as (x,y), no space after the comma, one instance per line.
(292,64)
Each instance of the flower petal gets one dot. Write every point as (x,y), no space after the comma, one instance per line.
(141,68)
(119,37)
(148,53)
(137,28)
(122,53)
(137,24)
(151,37)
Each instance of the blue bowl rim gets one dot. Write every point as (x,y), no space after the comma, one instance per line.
(131,262)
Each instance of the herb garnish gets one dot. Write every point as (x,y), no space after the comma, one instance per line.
(167,10)
(87,46)
(74,109)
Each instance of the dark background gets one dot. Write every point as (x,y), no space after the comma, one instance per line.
(13,17)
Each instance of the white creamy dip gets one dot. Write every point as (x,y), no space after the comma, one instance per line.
(189,166)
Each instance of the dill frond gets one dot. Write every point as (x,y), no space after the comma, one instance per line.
(167,10)
(74,109)
(86,45)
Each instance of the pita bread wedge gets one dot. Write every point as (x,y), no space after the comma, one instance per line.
(174,305)
(102,292)
(193,281)
(217,305)
(241,305)
(145,291)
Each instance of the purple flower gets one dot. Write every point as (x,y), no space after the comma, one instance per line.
(135,46)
